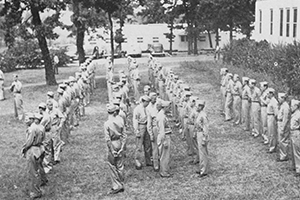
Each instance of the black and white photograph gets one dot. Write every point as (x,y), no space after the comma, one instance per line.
(150,99)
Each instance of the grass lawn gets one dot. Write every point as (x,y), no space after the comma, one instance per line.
(240,167)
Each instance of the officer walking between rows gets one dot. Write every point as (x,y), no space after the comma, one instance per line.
(16,88)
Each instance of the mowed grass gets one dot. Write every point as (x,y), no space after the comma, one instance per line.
(240,167)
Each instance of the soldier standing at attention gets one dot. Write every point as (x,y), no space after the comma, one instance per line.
(295,136)
(163,138)
(115,140)
(246,104)
(264,100)
(143,143)
(272,111)
(223,83)
(201,128)
(229,99)
(283,122)
(16,88)
(236,95)
(255,108)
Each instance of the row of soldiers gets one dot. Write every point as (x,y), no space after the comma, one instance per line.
(256,108)
(48,130)
(162,101)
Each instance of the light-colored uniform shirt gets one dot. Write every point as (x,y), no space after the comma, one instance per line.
(295,121)
(284,116)
(151,114)
(237,88)
(139,116)
(16,86)
(255,95)
(272,107)
(246,94)
(163,124)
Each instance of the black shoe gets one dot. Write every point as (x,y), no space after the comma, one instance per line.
(270,152)
(156,169)
(281,160)
(149,164)
(165,176)
(112,191)
(202,175)
(197,172)
(138,167)
(44,183)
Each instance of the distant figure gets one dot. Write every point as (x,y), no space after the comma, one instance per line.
(217,52)
(2,96)
(96,52)
(16,88)
(56,61)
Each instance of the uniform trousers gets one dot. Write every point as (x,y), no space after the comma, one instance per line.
(295,141)
(116,166)
(164,145)
(143,143)
(223,98)
(256,117)
(203,153)
(272,133)
(237,109)
(2,96)
(283,141)
(228,106)
(264,121)
(246,106)
(18,105)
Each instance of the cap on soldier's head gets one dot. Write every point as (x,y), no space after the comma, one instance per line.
(176,77)
(77,74)
(121,71)
(230,75)
(116,102)
(147,87)
(30,115)
(120,83)
(38,116)
(152,95)
(63,86)
(72,79)
(295,102)
(245,79)
(15,75)
(200,103)
(188,94)
(187,87)
(180,82)
(50,94)
(252,81)
(264,83)
(42,105)
(282,95)
(111,108)
(60,91)
(194,98)
(236,76)
(82,66)
(67,82)
(115,86)
(165,103)
(145,98)
(271,90)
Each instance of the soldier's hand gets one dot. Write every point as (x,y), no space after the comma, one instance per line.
(115,154)
(137,134)
(151,138)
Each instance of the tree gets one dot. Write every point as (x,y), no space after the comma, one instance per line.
(34,27)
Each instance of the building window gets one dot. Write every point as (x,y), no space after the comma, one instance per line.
(140,40)
(281,23)
(155,39)
(295,22)
(271,22)
(287,22)
(260,21)
(183,38)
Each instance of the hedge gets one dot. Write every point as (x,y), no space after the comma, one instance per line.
(27,55)
(282,62)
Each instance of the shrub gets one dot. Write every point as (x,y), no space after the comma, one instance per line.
(27,55)
(262,56)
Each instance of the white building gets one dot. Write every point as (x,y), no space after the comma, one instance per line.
(145,34)
(277,21)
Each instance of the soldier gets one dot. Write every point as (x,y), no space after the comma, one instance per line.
(2,96)
(136,83)
(152,128)
(121,113)
(283,122)
(75,100)
(147,90)
(236,92)
(16,88)
(295,136)
(63,108)
(192,115)
(255,108)
(161,82)
(229,98)
(263,106)
(81,94)
(224,80)
(201,128)
(163,138)
(142,136)
(115,140)
(57,122)
(272,111)
(151,70)
(109,79)
(186,111)
(32,150)
(50,96)
(246,104)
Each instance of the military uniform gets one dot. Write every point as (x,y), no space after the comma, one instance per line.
(2,96)
(272,111)
(295,136)
(236,92)
(255,109)
(264,117)
(229,98)
(16,88)
(246,105)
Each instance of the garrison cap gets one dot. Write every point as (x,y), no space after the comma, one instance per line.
(252,81)
(295,102)
(60,91)
(116,102)
(72,79)
(42,105)
(50,94)
(145,98)
(38,116)
(236,76)
(176,77)
(244,79)
(152,94)
(188,94)
(282,95)
(62,86)
(271,90)
(165,103)
(230,75)
(200,102)
(264,83)
(111,108)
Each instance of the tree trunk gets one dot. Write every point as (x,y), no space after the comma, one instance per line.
(111,37)
(196,44)
(49,70)
(171,36)
(217,37)
(231,32)
(209,39)
(80,30)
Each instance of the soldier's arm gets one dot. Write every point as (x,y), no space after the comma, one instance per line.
(149,124)
(135,122)
(29,141)
(286,118)
(107,137)
(161,125)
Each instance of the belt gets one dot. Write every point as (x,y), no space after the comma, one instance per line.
(270,114)
(1,79)
(18,92)
(255,101)
(190,123)
(115,138)
(264,106)
(168,133)
(142,123)
(245,98)
(279,120)
(235,94)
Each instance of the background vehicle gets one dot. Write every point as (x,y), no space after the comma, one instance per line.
(134,51)
(156,49)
